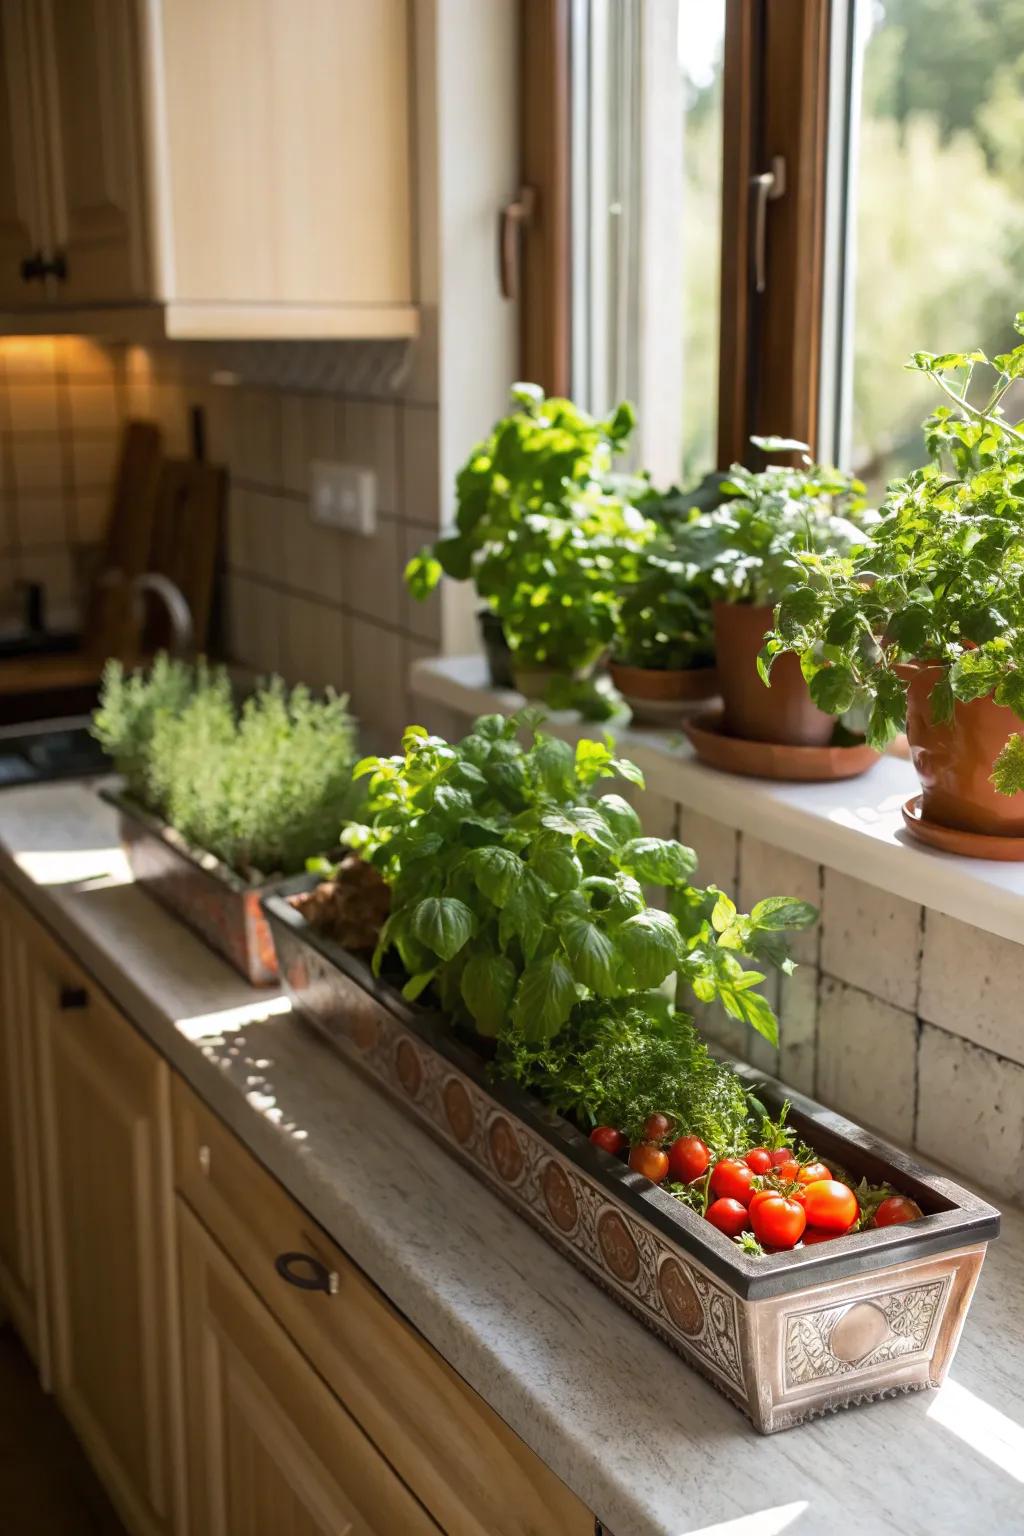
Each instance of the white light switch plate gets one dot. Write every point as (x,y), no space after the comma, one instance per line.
(343,496)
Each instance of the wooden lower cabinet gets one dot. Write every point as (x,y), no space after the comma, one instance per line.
(22,1289)
(105,1136)
(271,1449)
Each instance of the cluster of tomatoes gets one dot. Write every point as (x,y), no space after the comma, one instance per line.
(766,1191)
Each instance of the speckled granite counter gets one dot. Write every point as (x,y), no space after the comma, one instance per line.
(641,1439)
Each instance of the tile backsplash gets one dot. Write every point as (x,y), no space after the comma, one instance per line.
(317,605)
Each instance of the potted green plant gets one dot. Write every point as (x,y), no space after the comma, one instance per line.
(537,534)
(518,913)
(923,629)
(663,655)
(218,799)
(751,548)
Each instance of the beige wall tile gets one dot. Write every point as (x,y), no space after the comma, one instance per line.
(870,938)
(367,435)
(972,983)
(422,619)
(259,442)
(313,555)
(90,516)
(28,358)
(372,573)
(971,1111)
(53,568)
(95,405)
(798,1023)
(375,683)
(715,846)
(42,519)
(867,1059)
(308,431)
(34,407)
(38,463)
(769,871)
(420,458)
(93,461)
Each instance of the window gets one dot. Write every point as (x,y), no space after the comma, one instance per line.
(928,250)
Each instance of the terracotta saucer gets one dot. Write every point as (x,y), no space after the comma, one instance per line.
(969,845)
(773,760)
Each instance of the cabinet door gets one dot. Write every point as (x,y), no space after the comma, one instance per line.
(21,1241)
(108,1202)
(90,67)
(270,1448)
(22,233)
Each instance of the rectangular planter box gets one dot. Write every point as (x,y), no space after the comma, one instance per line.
(785,1337)
(204,893)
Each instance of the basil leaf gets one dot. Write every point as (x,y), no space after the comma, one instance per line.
(649,942)
(497,872)
(620,816)
(544,998)
(592,955)
(658,861)
(487,985)
(777,913)
(443,924)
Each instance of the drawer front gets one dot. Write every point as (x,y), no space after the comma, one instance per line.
(475,1476)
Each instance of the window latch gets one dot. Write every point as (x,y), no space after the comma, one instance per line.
(515,217)
(767,187)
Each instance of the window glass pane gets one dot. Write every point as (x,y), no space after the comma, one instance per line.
(701,38)
(937,218)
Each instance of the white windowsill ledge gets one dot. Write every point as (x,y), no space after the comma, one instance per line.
(854,826)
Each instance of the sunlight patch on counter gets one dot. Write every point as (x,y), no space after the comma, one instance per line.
(985,1429)
(762,1522)
(75,866)
(226,1021)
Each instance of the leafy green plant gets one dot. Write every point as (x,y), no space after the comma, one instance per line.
(262,787)
(518,891)
(664,620)
(751,545)
(543,529)
(944,579)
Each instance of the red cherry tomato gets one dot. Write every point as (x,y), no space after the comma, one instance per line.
(895,1210)
(788,1170)
(758,1159)
(781,1155)
(729,1216)
(778,1222)
(652,1162)
(831,1206)
(732,1180)
(657,1127)
(813,1173)
(688,1159)
(608,1139)
(757,1197)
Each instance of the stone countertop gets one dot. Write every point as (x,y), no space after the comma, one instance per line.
(644,1441)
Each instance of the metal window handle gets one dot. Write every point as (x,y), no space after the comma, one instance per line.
(73,998)
(768,186)
(319,1277)
(204,1161)
(515,216)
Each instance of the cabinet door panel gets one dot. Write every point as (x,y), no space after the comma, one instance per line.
(90,65)
(21,162)
(21,1265)
(270,1448)
(105,1132)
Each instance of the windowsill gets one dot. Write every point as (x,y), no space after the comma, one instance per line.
(854,826)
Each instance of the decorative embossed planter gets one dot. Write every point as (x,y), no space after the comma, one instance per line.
(787,1336)
(204,893)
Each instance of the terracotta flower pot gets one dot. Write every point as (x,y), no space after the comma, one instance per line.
(783,713)
(661,696)
(954,762)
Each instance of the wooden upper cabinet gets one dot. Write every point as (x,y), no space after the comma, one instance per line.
(89,65)
(237,169)
(22,229)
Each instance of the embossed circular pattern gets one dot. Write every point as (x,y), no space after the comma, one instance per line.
(860,1330)
(560,1197)
(681,1300)
(409,1068)
(459,1110)
(620,1251)
(363,1031)
(506,1153)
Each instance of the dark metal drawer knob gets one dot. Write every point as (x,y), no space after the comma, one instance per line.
(73,997)
(33,268)
(317,1276)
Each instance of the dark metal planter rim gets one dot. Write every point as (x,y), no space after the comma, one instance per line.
(205,863)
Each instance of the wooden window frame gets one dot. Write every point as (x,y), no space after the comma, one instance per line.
(775,104)
(545,339)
